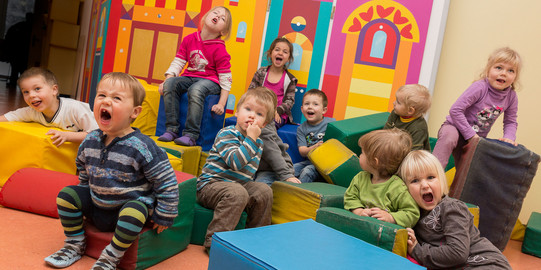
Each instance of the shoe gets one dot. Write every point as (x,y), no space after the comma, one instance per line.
(66,256)
(167,136)
(185,140)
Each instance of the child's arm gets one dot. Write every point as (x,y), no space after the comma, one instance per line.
(471,96)
(235,153)
(174,69)
(59,137)
(352,197)
(3,118)
(510,120)
(304,150)
(412,240)
(273,154)
(407,211)
(289,98)
(219,108)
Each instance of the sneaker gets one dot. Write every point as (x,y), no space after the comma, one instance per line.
(106,261)
(167,136)
(66,256)
(185,140)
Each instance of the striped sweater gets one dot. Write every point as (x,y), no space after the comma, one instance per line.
(132,167)
(233,157)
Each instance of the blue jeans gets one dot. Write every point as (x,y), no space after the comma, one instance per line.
(305,171)
(198,89)
(267,177)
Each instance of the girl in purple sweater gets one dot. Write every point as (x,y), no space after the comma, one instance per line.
(476,110)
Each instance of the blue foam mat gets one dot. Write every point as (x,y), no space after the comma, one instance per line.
(302,244)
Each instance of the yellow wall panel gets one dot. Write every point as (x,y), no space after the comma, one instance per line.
(371,73)
(370,88)
(150,3)
(352,112)
(368,102)
(194,5)
(159,15)
(164,50)
(305,63)
(140,54)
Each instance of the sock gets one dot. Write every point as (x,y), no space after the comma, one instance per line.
(74,248)
(109,259)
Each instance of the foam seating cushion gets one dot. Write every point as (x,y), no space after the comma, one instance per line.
(288,134)
(293,202)
(349,131)
(25,145)
(146,121)
(532,237)
(495,176)
(176,162)
(35,190)
(383,234)
(211,123)
(202,218)
(335,162)
(190,155)
(302,244)
(151,248)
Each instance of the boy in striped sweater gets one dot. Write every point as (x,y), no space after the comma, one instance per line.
(226,183)
(125,178)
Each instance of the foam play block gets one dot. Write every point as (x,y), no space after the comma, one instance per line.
(146,121)
(176,162)
(532,236)
(190,155)
(495,176)
(25,145)
(202,218)
(288,134)
(151,248)
(383,234)
(35,190)
(335,162)
(202,161)
(211,123)
(293,202)
(349,131)
(303,244)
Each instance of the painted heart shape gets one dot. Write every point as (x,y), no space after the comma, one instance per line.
(406,32)
(384,12)
(367,16)
(356,27)
(398,19)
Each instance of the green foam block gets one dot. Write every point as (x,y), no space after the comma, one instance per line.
(202,218)
(532,236)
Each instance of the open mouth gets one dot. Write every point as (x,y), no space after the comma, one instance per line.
(500,80)
(105,115)
(215,20)
(36,103)
(310,113)
(428,197)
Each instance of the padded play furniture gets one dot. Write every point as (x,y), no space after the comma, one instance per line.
(349,131)
(201,221)
(293,202)
(146,121)
(302,244)
(335,162)
(151,248)
(25,145)
(495,176)
(383,234)
(288,134)
(532,237)
(190,155)
(211,123)
(35,190)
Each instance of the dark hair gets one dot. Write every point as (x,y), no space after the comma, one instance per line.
(47,75)
(273,45)
(319,93)
(128,81)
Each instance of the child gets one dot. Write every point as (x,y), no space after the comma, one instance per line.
(208,73)
(226,183)
(412,102)
(125,178)
(445,236)
(278,79)
(40,92)
(476,110)
(310,133)
(377,192)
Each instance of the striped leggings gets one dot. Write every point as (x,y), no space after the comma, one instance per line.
(74,202)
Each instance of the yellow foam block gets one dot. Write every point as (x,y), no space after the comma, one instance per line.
(335,162)
(25,145)
(146,121)
(202,161)
(176,162)
(190,155)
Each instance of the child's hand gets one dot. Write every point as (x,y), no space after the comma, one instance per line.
(363,212)
(508,141)
(218,109)
(277,118)
(412,240)
(474,136)
(293,180)
(159,228)
(253,130)
(58,137)
(382,215)
(160,87)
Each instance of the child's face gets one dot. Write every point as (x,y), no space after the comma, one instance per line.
(501,75)
(113,109)
(364,164)
(39,95)
(250,112)
(280,55)
(425,189)
(400,107)
(216,21)
(312,109)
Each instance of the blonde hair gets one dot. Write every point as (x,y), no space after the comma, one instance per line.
(419,162)
(388,146)
(417,97)
(129,82)
(228,21)
(263,96)
(508,56)
(47,75)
